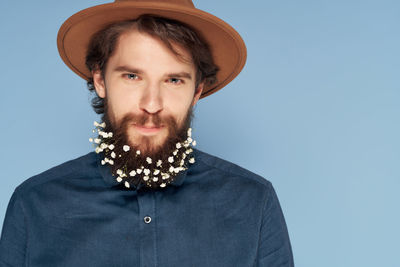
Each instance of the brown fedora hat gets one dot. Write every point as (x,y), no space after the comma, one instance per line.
(227,47)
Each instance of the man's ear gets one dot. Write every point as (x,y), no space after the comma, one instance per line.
(98,83)
(197,93)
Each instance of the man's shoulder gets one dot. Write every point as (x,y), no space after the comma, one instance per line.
(77,167)
(230,170)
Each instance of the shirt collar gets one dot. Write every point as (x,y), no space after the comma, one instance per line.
(110,180)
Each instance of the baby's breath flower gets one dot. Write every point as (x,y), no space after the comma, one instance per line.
(132,173)
(103,162)
(146,171)
(156,172)
(119,172)
(103,125)
(110,134)
(139,171)
(162,185)
(111,162)
(175,152)
(194,143)
(97,150)
(126,148)
(113,155)
(159,162)
(111,147)
(97,140)
(127,185)
(146,177)
(171,169)
(190,140)
(103,146)
(171,159)
(149,161)
(155,179)
(91,140)
(178,145)
(95,123)
(119,179)
(191,160)
(137,152)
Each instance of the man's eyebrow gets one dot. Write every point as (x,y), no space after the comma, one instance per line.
(180,75)
(128,69)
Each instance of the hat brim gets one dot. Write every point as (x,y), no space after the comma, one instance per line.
(227,47)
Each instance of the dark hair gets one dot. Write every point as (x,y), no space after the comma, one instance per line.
(170,32)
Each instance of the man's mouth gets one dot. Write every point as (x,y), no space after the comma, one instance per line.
(148,129)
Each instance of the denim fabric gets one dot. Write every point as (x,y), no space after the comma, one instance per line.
(76,214)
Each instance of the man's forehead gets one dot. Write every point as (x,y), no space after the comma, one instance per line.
(143,46)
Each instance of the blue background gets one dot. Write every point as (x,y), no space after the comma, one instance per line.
(315,111)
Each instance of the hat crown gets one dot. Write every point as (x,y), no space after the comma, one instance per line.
(187,3)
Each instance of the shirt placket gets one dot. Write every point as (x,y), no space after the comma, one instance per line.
(147,226)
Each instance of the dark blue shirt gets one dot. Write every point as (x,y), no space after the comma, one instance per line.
(77,214)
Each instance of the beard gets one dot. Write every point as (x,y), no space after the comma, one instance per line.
(142,162)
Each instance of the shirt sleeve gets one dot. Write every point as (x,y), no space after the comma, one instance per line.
(14,235)
(274,247)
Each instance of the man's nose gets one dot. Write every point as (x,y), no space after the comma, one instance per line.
(151,99)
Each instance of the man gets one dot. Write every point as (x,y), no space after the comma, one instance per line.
(146,197)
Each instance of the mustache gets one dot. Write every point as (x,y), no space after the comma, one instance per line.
(144,119)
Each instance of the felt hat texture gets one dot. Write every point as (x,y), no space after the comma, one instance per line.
(227,47)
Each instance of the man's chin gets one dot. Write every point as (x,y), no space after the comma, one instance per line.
(148,145)
(149,150)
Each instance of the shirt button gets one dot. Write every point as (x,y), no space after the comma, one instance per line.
(147,219)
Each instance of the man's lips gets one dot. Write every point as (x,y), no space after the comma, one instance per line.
(148,129)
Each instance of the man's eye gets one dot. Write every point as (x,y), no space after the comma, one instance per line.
(175,80)
(131,76)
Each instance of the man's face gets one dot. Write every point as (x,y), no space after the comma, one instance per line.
(146,81)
